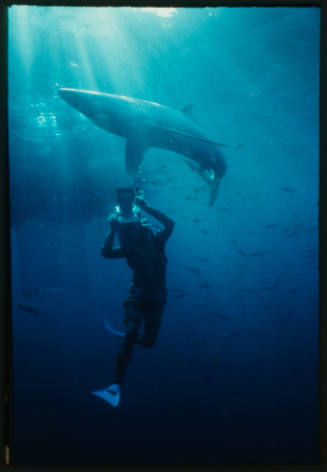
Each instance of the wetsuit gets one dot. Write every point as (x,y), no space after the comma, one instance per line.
(147,295)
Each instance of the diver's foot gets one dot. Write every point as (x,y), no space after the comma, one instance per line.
(110,394)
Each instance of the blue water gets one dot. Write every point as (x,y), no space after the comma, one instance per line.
(233,377)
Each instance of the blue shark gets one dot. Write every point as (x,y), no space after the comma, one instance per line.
(147,124)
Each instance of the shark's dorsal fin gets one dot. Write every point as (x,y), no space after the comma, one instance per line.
(189,111)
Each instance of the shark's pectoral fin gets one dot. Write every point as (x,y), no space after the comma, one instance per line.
(135,150)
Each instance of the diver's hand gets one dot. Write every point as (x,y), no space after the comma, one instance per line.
(113,222)
(140,202)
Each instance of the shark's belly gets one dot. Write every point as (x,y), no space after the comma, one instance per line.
(188,147)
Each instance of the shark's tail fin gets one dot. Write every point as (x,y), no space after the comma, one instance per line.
(214,188)
(210,177)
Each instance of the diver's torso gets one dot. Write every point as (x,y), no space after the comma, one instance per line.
(148,263)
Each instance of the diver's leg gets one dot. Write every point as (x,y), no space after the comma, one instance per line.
(132,322)
(152,323)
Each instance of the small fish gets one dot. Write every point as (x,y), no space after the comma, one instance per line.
(175,289)
(311,303)
(81,311)
(181,295)
(270,286)
(204,231)
(205,285)
(255,254)
(293,233)
(310,250)
(291,229)
(198,189)
(293,290)
(208,375)
(249,290)
(170,351)
(197,220)
(310,254)
(268,226)
(194,270)
(311,230)
(204,259)
(57,290)
(209,314)
(215,357)
(222,317)
(234,333)
(224,209)
(267,307)
(260,333)
(237,249)
(311,258)
(287,189)
(29,309)
(240,146)
(192,199)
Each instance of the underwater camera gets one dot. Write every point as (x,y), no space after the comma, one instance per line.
(126,210)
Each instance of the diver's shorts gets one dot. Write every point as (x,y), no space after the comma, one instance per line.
(143,305)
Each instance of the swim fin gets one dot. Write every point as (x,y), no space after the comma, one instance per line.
(110,394)
(119,334)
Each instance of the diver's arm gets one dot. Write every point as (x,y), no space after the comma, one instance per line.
(164,219)
(107,250)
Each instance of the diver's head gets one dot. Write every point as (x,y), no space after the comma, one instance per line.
(125,201)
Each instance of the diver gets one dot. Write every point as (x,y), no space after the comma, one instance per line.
(144,251)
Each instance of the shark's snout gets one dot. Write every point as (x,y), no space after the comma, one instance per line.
(62,92)
(68,95)
(78,99)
